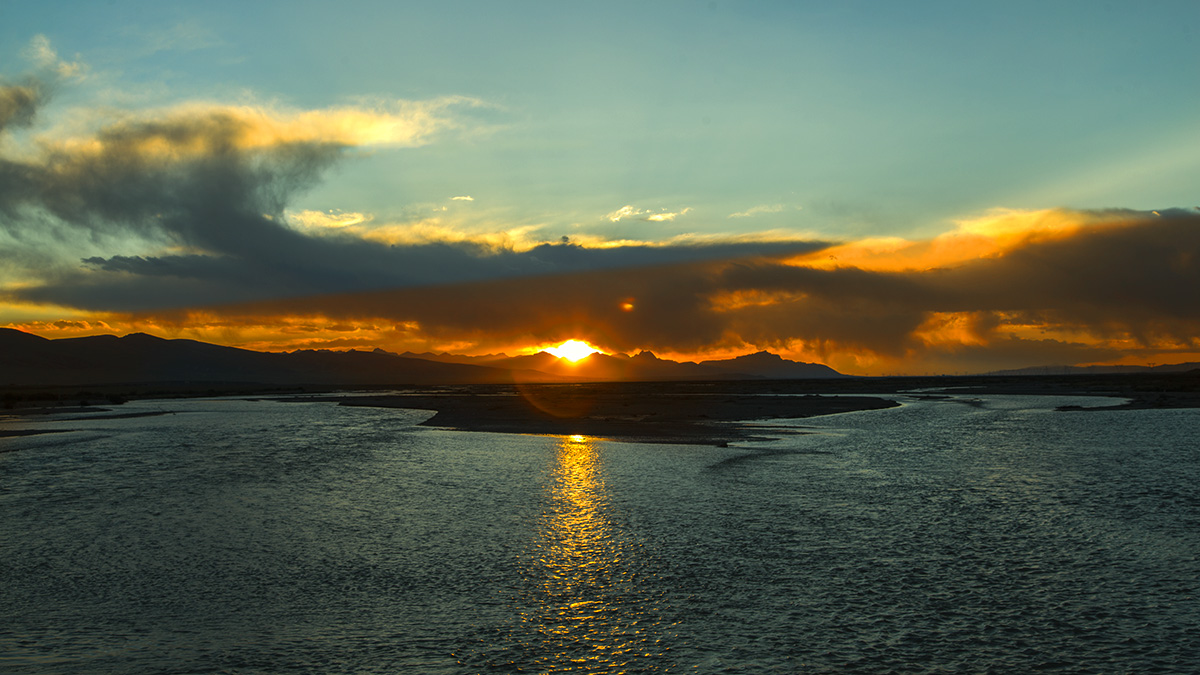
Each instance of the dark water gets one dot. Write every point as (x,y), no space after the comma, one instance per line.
(940,537)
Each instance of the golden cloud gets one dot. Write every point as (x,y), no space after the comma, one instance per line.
(990,235)
(204,129)
(323,221)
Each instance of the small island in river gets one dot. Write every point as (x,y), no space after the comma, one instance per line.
(691,413)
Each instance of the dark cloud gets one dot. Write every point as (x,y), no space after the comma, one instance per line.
(1137,277)
(1133,278)
(188,178)
(202,181)
(19,103)
(304,267)
(670,305)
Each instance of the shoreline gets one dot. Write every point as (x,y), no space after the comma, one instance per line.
(36,412)
(20,433)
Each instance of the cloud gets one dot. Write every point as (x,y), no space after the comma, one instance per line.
(300,266)
(463,198)
(189,205)
(666,216)
(990,235)
(623,212)
(197,129)
(1120,285)
(756,210)
(628,211)
(43,55)
(320,222)
(185,36)
(19,103)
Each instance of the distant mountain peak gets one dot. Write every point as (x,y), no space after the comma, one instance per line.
(765,364)
(763,355)
(14,334)
(142,337)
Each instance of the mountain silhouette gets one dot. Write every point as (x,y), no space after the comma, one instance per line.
(28,360)
(773,366)
(138,358)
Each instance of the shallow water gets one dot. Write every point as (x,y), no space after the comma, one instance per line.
(967,535)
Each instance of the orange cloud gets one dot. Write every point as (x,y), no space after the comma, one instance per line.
(987,236)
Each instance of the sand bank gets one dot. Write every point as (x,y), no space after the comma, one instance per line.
(642,412)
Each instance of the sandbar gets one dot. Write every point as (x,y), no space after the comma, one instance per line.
(686,413)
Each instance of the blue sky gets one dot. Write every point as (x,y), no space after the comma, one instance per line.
(635,130)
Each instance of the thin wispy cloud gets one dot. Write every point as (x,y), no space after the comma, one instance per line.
(626,211)
(666,216)
(44,56)
(324,221)
(631,212)
(189,35)
(757,210)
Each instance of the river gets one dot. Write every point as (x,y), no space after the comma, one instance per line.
(967,534)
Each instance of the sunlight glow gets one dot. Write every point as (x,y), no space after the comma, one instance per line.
(581,573)
(573,350)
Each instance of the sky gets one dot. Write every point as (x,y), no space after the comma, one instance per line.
(887,188)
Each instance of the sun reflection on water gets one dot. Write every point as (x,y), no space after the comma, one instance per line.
(587,609)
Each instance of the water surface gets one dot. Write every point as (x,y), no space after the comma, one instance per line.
(968,535)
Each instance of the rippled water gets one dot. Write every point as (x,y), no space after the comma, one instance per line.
(991,535)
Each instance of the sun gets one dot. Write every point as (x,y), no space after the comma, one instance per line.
(573,350)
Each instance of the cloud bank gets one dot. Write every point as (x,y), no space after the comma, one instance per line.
(1114,285)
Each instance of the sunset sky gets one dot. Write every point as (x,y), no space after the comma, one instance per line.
(924,187)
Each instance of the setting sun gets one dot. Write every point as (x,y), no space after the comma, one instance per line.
(573,350)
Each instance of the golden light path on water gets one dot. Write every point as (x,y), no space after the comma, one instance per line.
(586,613)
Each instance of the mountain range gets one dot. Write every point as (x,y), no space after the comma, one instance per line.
(138,358)
(1099,370)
